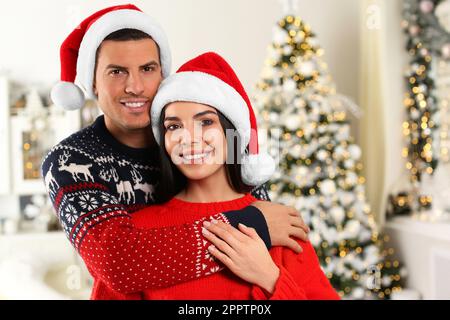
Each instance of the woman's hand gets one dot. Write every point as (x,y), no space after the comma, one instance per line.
(283,223)
(244,253)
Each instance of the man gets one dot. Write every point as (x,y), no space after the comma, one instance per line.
(100,175)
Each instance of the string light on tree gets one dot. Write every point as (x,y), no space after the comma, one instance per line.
(426,39)
(319,169)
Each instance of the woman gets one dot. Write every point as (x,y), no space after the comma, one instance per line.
(205,125)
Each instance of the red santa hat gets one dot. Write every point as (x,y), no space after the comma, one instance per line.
(78,51)
(210,80)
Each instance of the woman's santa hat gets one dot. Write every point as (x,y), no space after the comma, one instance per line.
(79,49)
(210,80)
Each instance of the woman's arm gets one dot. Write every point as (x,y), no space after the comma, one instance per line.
(308,274)
(126,258)
(245,255)
(286,288)
(294,277)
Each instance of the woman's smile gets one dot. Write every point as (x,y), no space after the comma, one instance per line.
(196,156)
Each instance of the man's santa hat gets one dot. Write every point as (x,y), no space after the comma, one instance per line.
(210,80)
(79,49)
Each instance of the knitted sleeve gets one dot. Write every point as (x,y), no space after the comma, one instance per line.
(318,287)
(301,277)
(286,288)
(309,273)
(124,257)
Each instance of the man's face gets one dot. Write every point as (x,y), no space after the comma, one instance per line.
(126,80)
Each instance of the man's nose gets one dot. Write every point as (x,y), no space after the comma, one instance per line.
(134,84)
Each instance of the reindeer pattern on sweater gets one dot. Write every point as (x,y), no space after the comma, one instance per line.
(85,172)
(96,183)
(91,176)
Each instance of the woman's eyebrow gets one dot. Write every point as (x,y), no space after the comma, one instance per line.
(171,118)
(174,118)
(204,112)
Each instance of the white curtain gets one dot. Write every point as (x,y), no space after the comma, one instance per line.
(372,101)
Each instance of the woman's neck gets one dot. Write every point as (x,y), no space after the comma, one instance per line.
(214,188)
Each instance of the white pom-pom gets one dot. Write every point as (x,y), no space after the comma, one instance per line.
(257,169)
(67,95)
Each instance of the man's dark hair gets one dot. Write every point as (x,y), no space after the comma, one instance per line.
(173,181)
(123,35)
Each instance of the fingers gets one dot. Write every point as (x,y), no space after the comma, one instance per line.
(251,232)
(299,223)
(299,234)
(219,243)
(292,244)
(221,256)
(297,220)
(226,232)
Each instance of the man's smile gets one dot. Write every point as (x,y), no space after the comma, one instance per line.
(135,105)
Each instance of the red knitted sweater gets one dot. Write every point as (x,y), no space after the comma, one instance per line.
(300,274)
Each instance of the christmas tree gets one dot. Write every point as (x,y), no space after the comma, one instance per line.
(319,169)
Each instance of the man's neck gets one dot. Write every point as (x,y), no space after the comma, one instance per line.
(133,138)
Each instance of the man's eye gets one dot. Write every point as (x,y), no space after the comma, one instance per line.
(149,69)
(116,72)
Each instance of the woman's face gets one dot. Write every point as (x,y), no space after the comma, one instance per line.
(194,139)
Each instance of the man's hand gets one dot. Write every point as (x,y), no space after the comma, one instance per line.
(283,222)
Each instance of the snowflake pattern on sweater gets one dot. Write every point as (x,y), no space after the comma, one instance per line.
(95,184)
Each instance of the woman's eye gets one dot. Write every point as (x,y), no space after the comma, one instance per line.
(207,122)
(172,127)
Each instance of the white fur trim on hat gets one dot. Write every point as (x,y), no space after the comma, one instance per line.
(105,25)
(257,169)
(200,87)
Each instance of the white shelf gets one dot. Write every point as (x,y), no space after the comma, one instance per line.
(436,230)
(423,247)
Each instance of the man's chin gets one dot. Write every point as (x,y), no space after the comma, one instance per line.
(137,126)
(134,121)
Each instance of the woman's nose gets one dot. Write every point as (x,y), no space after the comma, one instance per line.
(192,134)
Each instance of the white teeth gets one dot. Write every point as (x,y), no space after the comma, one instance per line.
(134,104)
(195,156)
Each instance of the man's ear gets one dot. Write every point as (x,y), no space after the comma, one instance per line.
(95,89)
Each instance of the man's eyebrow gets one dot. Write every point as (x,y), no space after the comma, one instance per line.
(151,63)
(115,66)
